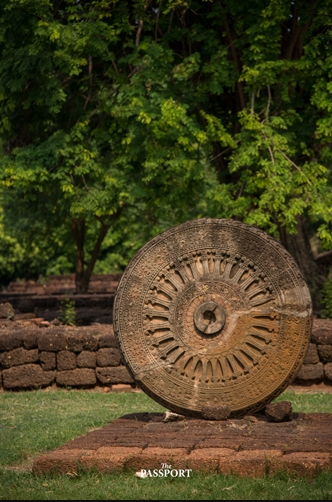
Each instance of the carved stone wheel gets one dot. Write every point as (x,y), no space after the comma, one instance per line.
(213,312)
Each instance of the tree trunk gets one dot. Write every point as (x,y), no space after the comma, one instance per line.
(298,246)
(84,285)
(78,227)
(83,273)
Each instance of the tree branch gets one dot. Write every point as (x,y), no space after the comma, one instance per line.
(241,190)
(78,228)
(299,31)
(102,234)
(296,167)
(170,21)
(157,21)
(95,252)
(90,83)
(221,153)
(271,154)
(252,109)
(236,62)
(140,25)
(139,31)
(268,103)
(268,147)
(115,68)
(292,43)
(84,183)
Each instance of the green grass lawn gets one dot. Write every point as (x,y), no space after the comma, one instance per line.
(38,421)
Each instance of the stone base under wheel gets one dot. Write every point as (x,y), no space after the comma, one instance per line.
(245,447)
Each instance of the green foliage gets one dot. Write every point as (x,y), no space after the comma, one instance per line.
(131,117)
(67,312)
(10,250)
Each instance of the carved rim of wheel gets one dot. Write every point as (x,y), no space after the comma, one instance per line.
(213,312)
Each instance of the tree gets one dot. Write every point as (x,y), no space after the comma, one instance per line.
(73,135)
(171,110)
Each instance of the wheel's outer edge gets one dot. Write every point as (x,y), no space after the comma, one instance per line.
(292,304)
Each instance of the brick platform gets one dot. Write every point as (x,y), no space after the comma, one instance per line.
(246,447)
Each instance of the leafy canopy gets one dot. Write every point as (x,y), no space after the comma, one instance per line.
(120,116)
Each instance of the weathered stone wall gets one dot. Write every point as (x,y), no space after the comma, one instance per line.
(87,356)
(63,284)
(317,365)
(65,356)
(44,299)
(89,309)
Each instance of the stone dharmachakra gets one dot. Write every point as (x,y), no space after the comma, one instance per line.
(213,312)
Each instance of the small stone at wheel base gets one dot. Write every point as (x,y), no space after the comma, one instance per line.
(279,412)
(216,412)
(121,387)
(169,416)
